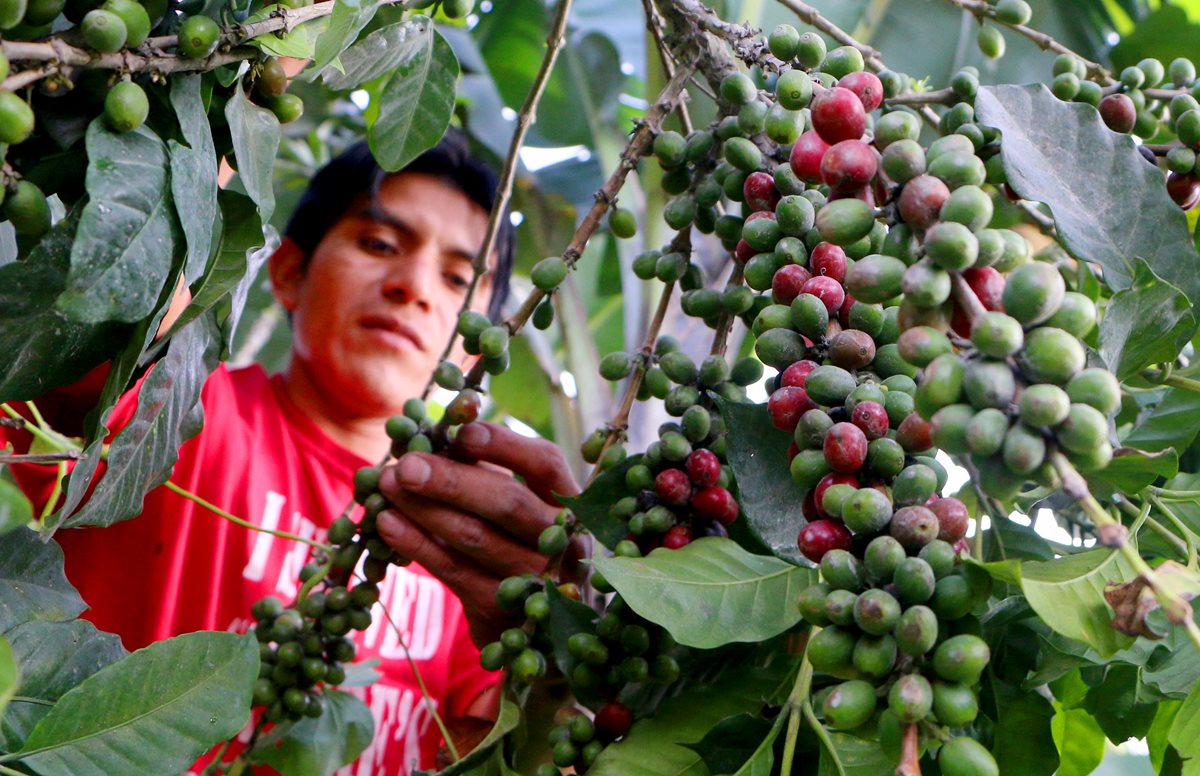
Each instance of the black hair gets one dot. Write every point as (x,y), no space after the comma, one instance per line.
(338,184)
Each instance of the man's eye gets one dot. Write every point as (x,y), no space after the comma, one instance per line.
(459,280)
(376,245)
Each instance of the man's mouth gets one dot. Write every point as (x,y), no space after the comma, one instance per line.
(393,329)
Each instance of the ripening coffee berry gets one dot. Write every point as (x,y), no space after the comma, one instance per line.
(837,115)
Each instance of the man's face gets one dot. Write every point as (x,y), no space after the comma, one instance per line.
(376,304)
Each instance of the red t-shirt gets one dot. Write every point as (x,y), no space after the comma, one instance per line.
(179,567)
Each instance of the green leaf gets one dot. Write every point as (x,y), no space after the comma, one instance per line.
(1147,323)
(741,744)
(347,20)
(300,42)
(1131,470)
(33,585)
(1185,732)
(415,105)
(128,233)
(380,52)
(1158,739)
(1023,741)
(1168,424)
(43,347)
(1176,674)
(512,40)
(53,658)
(857,756)
(1068,594)
(168,413)
(10,676)
(771,503)
(321,745)
(1114,705)
(591,507)
(15,509)
(1165,33)
(1080,742)
(711,592)
(154,712)
(567,617)
(1052,152)
(255,134)
(506,721)
(654,746)
(193,173)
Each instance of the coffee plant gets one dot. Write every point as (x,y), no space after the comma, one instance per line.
(898,314)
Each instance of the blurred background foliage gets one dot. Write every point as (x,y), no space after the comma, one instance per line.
(599,88)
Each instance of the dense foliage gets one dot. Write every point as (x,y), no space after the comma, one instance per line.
(924,269)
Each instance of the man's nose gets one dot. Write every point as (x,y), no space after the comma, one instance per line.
(410,279)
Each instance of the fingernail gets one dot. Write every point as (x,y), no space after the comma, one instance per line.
(413,471)
(474,435)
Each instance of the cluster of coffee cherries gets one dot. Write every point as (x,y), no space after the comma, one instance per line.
(894,626)
(679,489)
(1127,108)
(1019,389)
(305,645)
(609,658)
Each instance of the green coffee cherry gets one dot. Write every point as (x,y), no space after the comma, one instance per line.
(1097,388)
(27,210)
(961,659)
(550,272)
(985,432)
(1033,293)
(1051,356)
(964,756)
(849,705)
(103,30)
(997,335)
(126,107)
(911,698)
(738,89)
(198,37)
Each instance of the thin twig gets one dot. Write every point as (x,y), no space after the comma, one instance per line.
(910,752)
(945,96)
(654,23)
(65,455)
(187,494)
(607,194)
(725,322)
(798,703)
(620,421)
(525,119)
(1039,39)
(58,51)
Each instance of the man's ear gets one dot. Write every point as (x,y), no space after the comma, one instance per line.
(287,266)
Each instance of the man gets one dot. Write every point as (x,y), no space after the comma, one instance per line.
(372,271)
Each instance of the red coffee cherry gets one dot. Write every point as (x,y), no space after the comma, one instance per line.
(849,165)
(871,417)
(953,519)
(827,290)
(679,536)
(1118,112)
(821,536)
(806,156)
(838,114)
(716,503)
(703,468)
(866,86)
(829,260)
(759,191)
(787,282)
(786,405)
(613,719)
(827,482)
(795,374)
(921,201)
(845,447)
(672,486)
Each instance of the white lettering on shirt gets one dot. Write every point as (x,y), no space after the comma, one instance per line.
(263,542)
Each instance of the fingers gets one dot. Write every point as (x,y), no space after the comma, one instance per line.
(539,462)
(473,586)
(479,541)
(474,489)
(410,540)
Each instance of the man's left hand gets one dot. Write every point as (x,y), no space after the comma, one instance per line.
(473,525)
